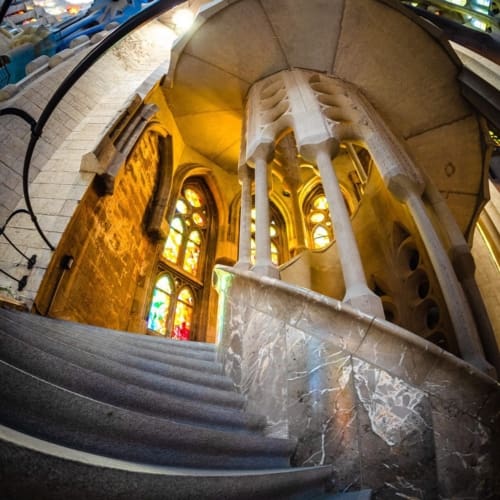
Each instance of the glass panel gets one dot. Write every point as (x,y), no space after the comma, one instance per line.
(192,254)
(193,198)
(320,237)
(181,207)
(317,217)
(177,225)
(157,318)
(183,315)
(272,231)
(320,203)
(174,241)
(198,219)
(253,213)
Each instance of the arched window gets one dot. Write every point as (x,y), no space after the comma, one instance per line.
(318,220)
(160,305)
(185,239)
(179,291)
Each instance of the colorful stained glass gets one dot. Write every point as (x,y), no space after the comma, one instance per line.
(158,313)
(198,219)
(174,241)
(183,314)
(192,253)
(193,198)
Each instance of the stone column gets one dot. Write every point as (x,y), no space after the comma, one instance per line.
(244,250)
(263,263)
(357,292)
(465,267)
(460,314)
(298,218)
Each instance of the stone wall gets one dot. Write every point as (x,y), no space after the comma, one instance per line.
(56,183)
(379,403)
(112,256)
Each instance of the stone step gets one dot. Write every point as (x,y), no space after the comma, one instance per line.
(348,495)
(46,411)
(132,369)
(107,381)
(197,350)
(33,468)
(185,354)
(63,345)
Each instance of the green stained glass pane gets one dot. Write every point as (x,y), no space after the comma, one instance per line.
(193,198)
(157,318)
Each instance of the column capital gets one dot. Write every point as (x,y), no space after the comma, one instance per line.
(328,146)
(263,151)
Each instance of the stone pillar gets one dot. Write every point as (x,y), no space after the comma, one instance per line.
(460,314)
(263,263)
(465,267)
(298,219)
(357,292)
(244,250)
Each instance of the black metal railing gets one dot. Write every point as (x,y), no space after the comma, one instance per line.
(31,261)
(37,126)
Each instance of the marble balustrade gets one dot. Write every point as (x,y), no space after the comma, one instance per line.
(388,409)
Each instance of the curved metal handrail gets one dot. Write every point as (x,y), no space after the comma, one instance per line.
(131,24)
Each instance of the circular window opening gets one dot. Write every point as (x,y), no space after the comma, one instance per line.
(413,259)
(408,257)
(432,317)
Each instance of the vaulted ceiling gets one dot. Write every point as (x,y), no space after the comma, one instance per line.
(397,60)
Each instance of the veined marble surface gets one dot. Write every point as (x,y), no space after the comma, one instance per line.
(390,411)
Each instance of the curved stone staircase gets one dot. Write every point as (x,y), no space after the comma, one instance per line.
(94,413)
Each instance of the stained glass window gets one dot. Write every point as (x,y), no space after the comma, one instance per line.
(174,241)
(179,289)
(184,247)
(193,197)
(158,313)
(318,220)
(192,253)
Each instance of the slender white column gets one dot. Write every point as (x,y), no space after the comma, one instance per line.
(357,292)
(263,263)
(244,251)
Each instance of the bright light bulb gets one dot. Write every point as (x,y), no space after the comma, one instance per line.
(183,19)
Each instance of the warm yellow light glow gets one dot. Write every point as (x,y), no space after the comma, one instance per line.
(183,19)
